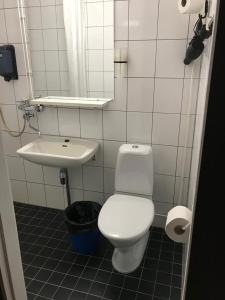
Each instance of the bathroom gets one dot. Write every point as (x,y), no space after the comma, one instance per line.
(108,77)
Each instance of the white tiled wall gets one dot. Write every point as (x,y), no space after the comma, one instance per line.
(150,106)
(45,23)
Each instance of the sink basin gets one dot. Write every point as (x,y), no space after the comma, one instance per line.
(59,152)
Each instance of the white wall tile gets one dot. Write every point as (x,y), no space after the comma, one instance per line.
(95,38)
(51,60)
(33,172)
(165,129)
(164,159)
(95,60)
(181,191)
(51,176)
(172,24)
(114,125)
(34,18)
(94,196)
(168,95)
(141,58)
(186,130)
(10,144)
(190,96)
(59,16)
(36,194)
(10,3)
(7,93)
(21,87)
(10,115)
(19,191)
(76,195)
(143,15)
(140,94)
(108,13)
(96,80)
(119,102)
(69,122)
(163,188)
(16,168)
(13,25)
(48,121)
(93,178)
(91,123)
(183,161)
(76,178)
(110,153)
(36,40)
(3,34)
(169,63)
(55,197)
(48,22)
(109,180)
(50,39)
(95,14)
(139,127)
(121,20)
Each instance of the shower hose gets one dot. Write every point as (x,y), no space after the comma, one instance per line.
(8,129)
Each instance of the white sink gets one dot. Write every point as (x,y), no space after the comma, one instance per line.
(59,151)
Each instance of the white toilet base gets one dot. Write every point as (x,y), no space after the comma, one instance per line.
(128,259)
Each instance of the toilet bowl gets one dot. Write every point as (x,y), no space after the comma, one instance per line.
(126,217)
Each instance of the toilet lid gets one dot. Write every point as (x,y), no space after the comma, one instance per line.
(125,216)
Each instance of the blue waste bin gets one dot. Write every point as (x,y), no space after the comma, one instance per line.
(81,219)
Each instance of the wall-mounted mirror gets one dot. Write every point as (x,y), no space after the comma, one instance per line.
(71,47)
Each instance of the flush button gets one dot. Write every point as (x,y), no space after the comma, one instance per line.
(135,146)
(67,141)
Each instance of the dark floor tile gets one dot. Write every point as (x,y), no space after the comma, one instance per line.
(89,273)
(46,252)
(151,263)
(50,264)
(155,244)
(48,290)
(69,281)
(43,275)
(164,278)
(102,276)
(63,267)
(117,280)
(35,286)
(127,295)
(39,261)
(176,281)
(175,294)
(177,269)
(146,287)
(27,258)
(31,271)
(97,289)
(30,296)
(82,260)
(62,293)
(136,273)
(156,235)
(77,295)
(53,243)
(56,278)
(153,253)
(58,254)
(94,262)
(143,297)
(168,256)
(106,265)
(112,292)
(131,283)
(83,285)
(92,297)
(76,270)
(168,247)
(177,258)
(162,291)
(165,266)
(149,274)
(70,257)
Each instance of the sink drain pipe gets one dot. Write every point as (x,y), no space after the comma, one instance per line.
(64,180)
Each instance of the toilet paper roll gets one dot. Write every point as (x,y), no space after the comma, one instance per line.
(178,224)
(190,6)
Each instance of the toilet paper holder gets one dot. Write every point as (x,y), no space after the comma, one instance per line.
(181,229)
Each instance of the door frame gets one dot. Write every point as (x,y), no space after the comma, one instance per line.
(205,281)
(10,258)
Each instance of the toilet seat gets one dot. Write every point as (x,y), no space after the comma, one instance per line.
(125,217)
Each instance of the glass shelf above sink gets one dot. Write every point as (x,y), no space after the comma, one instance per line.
(71,102)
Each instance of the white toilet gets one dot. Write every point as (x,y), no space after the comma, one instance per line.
(126,216)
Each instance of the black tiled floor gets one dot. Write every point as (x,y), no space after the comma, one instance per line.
(53,271)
